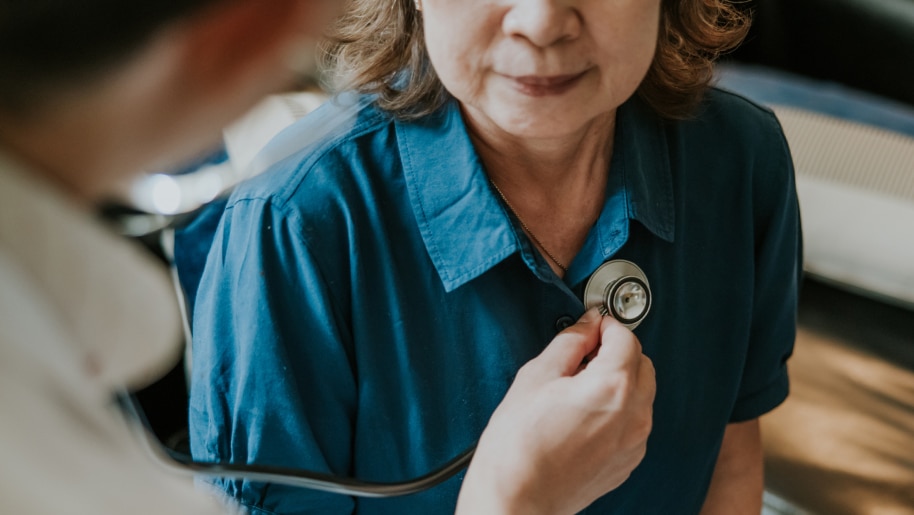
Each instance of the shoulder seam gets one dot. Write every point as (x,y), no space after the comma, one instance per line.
(765,109)
(308,165)
(296,228)
(281,196)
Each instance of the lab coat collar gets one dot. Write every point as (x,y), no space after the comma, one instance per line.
(467,231)
(112,297)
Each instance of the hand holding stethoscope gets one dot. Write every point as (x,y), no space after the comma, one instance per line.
(617,288)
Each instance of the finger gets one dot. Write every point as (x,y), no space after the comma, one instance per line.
(568,349)
(647,379)
(619,349)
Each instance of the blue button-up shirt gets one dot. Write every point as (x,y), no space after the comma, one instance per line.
(366,303)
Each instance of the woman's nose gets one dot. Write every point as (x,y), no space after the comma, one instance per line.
(543,22)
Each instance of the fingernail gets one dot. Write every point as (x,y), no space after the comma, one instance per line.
(591,315)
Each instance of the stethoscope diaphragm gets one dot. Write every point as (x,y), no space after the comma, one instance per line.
(619,289)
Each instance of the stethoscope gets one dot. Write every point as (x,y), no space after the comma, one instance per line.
(618,288)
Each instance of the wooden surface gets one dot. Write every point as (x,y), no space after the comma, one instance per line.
(843,442)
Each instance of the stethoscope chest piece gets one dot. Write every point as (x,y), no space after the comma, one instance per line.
(619,289)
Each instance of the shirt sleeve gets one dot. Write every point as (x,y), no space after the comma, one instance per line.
(778,271)
(272,381)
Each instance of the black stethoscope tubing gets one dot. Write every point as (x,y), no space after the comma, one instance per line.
(185,465)
(599,292)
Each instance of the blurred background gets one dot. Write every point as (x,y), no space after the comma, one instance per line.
(843,442)
(840,76)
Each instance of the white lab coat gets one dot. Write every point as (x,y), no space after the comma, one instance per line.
(82,313)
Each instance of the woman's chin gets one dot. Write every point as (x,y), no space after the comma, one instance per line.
(540,125)
(523,116)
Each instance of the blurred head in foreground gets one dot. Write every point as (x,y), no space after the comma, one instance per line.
(94,91)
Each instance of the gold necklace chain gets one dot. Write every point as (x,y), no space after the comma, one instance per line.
(527,229)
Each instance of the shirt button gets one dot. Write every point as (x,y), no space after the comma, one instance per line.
(563,322)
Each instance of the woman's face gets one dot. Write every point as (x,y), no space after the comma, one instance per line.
(540,68)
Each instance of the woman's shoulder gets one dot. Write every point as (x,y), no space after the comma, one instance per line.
(321,153)
(735,117)
(732,132)
(732,144)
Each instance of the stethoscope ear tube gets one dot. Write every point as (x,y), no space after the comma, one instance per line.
(619,289)
(185,465)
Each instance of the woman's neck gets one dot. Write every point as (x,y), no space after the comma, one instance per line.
(555,185)
(555,165)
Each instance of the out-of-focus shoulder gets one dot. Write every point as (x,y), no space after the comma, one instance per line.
(733,109)
(300,155)
(726,97)
(730,121)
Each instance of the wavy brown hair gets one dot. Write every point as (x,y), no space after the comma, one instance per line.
(377,47)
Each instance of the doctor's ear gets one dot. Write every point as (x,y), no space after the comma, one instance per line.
(249,42)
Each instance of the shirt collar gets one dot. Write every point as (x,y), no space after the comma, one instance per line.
(467,231)
(644,165)
(111,298)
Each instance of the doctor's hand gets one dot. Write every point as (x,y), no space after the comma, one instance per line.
(571,428)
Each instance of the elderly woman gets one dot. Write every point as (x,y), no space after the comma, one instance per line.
(367,303)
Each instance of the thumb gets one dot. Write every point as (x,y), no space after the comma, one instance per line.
(563,356)
(620,347)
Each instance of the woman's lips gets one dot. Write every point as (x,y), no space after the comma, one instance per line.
(540,86)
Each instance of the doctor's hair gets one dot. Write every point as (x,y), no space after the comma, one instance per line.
(377,47)
(49,46)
